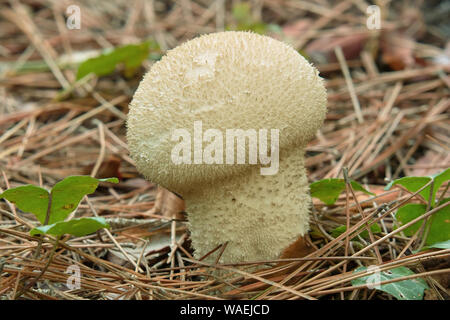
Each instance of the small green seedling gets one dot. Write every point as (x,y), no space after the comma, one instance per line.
(328,190)
(131,56)
(437,228)
(52,208)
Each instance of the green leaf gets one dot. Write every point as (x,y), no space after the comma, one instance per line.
(409,212)
(439,179)
(77,227)
(440,226)
(439,245)
(412,184)
(29,198)
(402,290)
(375,228)
(67,194)
(131,55)
(438,223)
(328,190)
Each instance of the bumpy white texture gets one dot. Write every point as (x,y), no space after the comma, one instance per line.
(257,216)
(231,80)
(227,80)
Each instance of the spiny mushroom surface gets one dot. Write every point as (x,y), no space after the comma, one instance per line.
(231,80)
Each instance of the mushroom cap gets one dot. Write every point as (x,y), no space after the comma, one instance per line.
(226,80)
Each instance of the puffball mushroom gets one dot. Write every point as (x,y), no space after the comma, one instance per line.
(238,80)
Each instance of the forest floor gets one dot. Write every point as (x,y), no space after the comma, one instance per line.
(388,103)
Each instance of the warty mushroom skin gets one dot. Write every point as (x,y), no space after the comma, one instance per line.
(231,80)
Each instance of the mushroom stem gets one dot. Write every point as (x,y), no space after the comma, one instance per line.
(259,216)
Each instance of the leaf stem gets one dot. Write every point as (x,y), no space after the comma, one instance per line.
(47,218)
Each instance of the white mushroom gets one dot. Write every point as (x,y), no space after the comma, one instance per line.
(230,80)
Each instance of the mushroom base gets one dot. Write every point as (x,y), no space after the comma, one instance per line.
(257,216)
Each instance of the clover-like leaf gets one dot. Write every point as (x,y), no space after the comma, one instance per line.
(29,198)
(65,197)
(328,190)
(67,194)
(77,227)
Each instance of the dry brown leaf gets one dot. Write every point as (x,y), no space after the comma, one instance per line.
(298,249)
(397,51)
(169,205)
(109,168)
